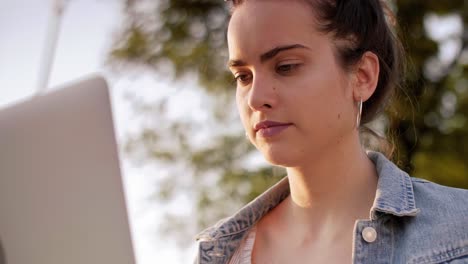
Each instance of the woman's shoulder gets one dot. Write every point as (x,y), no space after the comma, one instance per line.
(396,187)
(445,201)
(439,231)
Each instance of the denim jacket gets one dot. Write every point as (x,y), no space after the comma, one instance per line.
(416,221)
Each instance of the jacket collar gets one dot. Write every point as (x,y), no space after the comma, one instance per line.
(395,193)
(250,214)
(394,196)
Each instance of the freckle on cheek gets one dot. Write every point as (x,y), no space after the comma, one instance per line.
(339,116)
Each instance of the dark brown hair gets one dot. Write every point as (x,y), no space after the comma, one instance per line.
(363,25)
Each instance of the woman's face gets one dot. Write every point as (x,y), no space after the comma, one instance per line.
(294,100)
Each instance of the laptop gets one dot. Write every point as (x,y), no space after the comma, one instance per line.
(61,193)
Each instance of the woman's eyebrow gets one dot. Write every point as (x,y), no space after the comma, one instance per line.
(267,55)
(273,52)
(236,63)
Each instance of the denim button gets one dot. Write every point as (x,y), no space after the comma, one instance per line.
(369,234)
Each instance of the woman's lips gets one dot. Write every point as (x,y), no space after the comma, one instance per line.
(270,128)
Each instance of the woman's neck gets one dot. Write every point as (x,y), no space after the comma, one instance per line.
(336,188)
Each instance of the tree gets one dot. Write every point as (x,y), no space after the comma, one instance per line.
(427,120)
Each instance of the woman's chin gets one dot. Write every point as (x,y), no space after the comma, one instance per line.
(280,158)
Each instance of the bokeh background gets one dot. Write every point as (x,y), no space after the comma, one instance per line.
(186,162)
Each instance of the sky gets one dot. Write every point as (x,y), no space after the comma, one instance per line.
(86,32)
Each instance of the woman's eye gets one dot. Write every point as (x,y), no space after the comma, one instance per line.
(242,78)
(286,68)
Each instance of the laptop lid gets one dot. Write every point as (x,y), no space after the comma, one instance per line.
(61,193)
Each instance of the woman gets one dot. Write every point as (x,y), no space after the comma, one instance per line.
(309,74)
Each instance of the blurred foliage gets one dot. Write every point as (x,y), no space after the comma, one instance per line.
(427,118)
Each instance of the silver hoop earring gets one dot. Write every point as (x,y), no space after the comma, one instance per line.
(358,119)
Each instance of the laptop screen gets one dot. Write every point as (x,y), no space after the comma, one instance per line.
(61,193)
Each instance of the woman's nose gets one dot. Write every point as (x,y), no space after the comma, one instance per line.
(262,95)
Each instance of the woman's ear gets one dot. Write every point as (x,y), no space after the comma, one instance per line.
(366,76)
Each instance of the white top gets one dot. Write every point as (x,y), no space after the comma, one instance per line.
(243,254)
